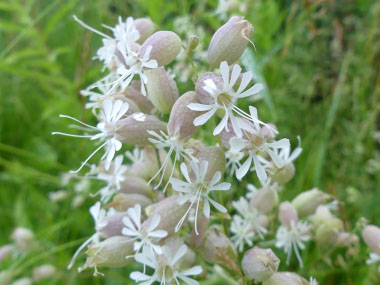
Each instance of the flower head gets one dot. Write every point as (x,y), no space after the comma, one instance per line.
(225,98)
(166,267)
(198,189)
(106,130)
(143,238)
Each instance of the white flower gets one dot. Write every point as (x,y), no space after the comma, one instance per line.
(293,239)
(175,146)
(225,99)
(313,281)
(136,155)
(107,130)
(113,179)
(255,143)
(123,31)
(373,259)
(198,189)
(134,64)
(247,225)
(166,267)
(99,216)
(285,156)
(103,86)
(233,160)
(144,238)
(242,232)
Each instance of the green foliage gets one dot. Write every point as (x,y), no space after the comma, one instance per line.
(320,61)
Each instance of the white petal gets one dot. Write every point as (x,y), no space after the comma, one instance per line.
(282,143)
(247,77)
(202,119)
(196,270)
(242,171)
(221,125)
(225,71)
(251,91)
(185,172)
(215,179)
(218,206)
(158,234)
(234,75)
(276,159)
(199,107)
(179,254)
(221,187)
(154,223)
(237,144)
(261,174)
(206,209)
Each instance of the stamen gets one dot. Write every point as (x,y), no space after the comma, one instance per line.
(91,28)
(71,135)
(78,121)
(88,158)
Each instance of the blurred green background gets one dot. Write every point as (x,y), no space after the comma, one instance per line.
(319,59)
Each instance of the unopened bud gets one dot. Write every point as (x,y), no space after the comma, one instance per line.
(216,160)
(23,281)
(162,89)
(5,251)
(165,47)
(122,202)
(259,264)
(43,272)
(371,236)
(327,233)
(145,27)
(321,215)
(142,102)
(216,247)
(181,117)
(111,252)
(287,214)
(170,213)
(23,238)
(133,129)
(229,41)
(346,239)
(264,199)
(136,185)
(307,202)
(193,43)
(114,225)
(286,278)
(283,175)
(148,165)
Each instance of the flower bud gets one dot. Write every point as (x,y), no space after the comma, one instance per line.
(136,185)
(321,215)
(181,117)
(111,252)
(216,160)
(133,129)
(23,281)
(162,89)
(327,233)
(122,202)
(5,251)
(145,27)
(259,264)
(148,165)
(23,238)
(283,175)
(264,199)
(170,213)
(285,278)
(307,202)
(371,236)
(217,248)
(165,47)
(114,225)
(229,41)
(346,239)
(202,225)
(287,213)
(203,96)
(43,272)
(193,43)
(142,102)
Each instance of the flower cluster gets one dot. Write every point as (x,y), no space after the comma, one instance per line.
(166,204)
